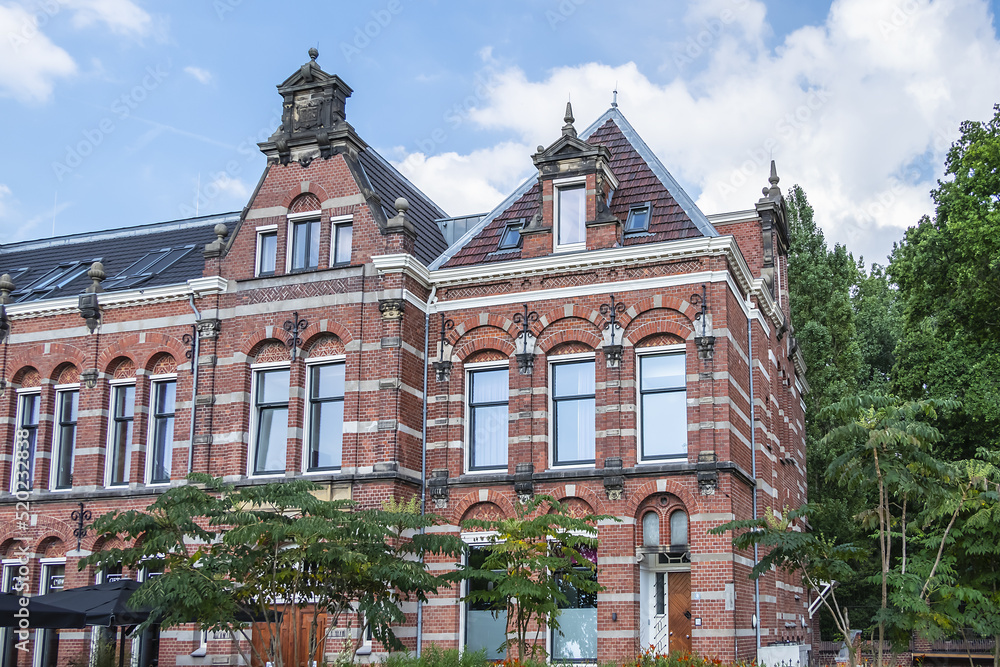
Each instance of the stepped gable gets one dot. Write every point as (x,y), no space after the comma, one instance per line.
(639,183)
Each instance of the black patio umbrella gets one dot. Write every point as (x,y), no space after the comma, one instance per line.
(39,614)
(103,604)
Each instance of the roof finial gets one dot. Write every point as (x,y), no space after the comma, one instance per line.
(568,130)
(773,180)
(614,97)
(313,54)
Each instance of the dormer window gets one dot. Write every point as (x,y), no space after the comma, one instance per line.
(638,219)
(570,214)
(511,236)
(303,230)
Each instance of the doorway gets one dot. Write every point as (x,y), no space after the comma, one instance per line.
(665,609)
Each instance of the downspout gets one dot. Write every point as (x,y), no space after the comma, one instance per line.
(194,384)
(423,451)
(753,490)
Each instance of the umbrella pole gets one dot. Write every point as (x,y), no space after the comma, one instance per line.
(121,646)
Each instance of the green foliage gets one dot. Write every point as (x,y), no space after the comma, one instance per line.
(435,656)
(531,558)
(229,553)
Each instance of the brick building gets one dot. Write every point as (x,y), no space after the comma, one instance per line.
(596,337)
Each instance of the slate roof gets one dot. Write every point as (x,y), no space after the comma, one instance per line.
(642,178)
(166,253)
(389,184)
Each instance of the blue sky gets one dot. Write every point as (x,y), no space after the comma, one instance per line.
(120,112)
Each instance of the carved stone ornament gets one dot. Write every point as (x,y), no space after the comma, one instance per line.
(523,485)
(525,362)
(438,487)
(613,355)
(208,328)
(614,481)
(391,309)
(708,482)
(442,370)
(706,347)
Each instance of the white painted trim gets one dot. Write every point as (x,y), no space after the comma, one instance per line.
(677,349)
(150,424)
(555,361)
(116,386)
(307,416)
(53,449)
(559,184)
(255,371)
(469,369)
(729,217)
(305,215)
(258,254)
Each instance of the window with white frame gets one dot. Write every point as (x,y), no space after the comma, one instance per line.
(662,406)
(64,438)
(47,641)
(573,412)
(488,396)
(484,631)
(324,450)
(10,583)
(270,411)
(570,214)
(267,250)
(120,434)
(576,640)
(304,243)
(341,236)
(23,474)
(159,450)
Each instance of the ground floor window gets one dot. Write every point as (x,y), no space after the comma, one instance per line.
(483,630)
(47,641)
(576,639)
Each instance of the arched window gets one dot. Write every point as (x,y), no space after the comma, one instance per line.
(651,529)
(679,529)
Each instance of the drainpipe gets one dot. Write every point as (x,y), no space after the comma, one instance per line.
(423,451)
(753,464)
(194,383)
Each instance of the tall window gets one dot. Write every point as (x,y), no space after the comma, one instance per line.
(161,431)
(27,422)
(342,236)
(663,406)
(122,417)
(577,639)
(67,406)
(267,250)
(483,631)
(9,584)
(305,244)
(488,396)
(52,580)
(679,529)
(271,412)
(326,416)
(573,412)
(572,214)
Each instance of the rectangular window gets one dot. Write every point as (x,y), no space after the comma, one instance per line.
(326,416)
(483,631)
(161,426)
(267,252)
(638,219)
(23,475)
(663,406)
(10,584)
(64,442)
(573,407)
(305,244)
(122,418)
(577,639)
(511,236)
(488,414)
(271,412)
(52,580)
(342,237)
(572,215)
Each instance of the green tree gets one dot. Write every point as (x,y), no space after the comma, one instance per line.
(274,552)
(532,559)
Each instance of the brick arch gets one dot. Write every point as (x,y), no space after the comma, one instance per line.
(472,498)
(551,337)
(323,345)
(161,362)
(325,326)
(295,191)
(51,545)
(639,496)
(66,373)
(27,374)
(646,325)
(656,301)
(121,368)
(569,310)
(126,346)
(101,543)
(8,547)
(469,324)
(493,340)
(253,342)
(47,364)
(587,495)
(306,201)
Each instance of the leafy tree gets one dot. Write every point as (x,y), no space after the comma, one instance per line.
(879,326)
(275,552)
(531,560)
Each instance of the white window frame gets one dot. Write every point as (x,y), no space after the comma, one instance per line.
(679,349)
(255,370)
(18,421)
(335,222)
(561,184)
(151,425)
(53,450)
(467,449)
(292,220)
(10,565)
(115,385)
(479,538)
(264,230)
(306,422)
(43,564)
(555,361)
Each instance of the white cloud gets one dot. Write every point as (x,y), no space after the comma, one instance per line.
(202,75)
(223,184)
(123,17)
(860,111)
(29,62)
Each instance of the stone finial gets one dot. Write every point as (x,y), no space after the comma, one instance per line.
(214,249)
(773,179)
(96,275)
(402,205)
(313,54)
(568,130)
(221,230)
(401,223)
(6,287)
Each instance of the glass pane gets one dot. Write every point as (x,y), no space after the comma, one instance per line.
(572,215)
(678,529)
(121,451)
(326,429)
(343,248)
(489,386)
(327,381)
(482,631)
(305,244)
(637,220)
(511,236)
(166,395)
(575,431)
(577,639)
(272,386)
(29,410)
(272,438)
(665,371)
(125,402)
(313,243)
(664,424)
(489,436)
(69,401)
(163,447)
(651,529)
(268,252)
(574,379)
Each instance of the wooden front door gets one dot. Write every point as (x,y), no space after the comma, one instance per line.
(679,610)
(293,630)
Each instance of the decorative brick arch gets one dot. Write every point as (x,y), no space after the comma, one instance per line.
(161,363)
(646,324)
(66,373)
(551,337)
(569,310)
(126,346)
(27,376)
(662,301)
(469,324)
(637,497)
(322,345)
(121,368)
(253,342)
(472,498)
(295,191)
(325,326)
(47,364)
(52,532)
(578,507)
(494,340)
